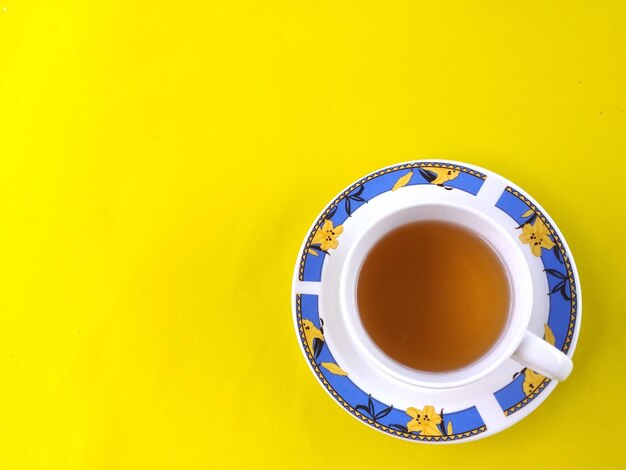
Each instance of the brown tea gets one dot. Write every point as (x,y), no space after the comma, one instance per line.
(433,296)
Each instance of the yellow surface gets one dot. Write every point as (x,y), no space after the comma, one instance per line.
(160,163)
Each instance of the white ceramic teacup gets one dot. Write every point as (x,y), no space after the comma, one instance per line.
(515,340)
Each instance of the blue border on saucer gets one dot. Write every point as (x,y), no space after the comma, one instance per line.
(382,416)
(377,183)
(563,298)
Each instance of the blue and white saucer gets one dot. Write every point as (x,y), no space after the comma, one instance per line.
(392,406)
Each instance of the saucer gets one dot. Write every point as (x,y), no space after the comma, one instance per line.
(393,406)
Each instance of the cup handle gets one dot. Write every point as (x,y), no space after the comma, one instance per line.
(542,357)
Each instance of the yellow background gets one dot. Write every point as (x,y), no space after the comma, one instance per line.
(160,163)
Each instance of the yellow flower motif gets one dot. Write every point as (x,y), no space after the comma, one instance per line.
(312,333)
(425,421)
(327,235)
(334,368)
(537,236)
(532,380)
(443,175)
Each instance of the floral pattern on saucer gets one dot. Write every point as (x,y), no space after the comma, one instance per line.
(321,240)
(423,424)
(426,421)
(537,233)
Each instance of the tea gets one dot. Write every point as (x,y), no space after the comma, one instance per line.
(433,296)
